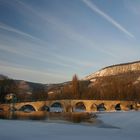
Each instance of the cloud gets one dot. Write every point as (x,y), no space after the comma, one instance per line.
(24,48)
(20,72)
(27,51)
(30,53)
(10,29)
(63,28)
(94,8)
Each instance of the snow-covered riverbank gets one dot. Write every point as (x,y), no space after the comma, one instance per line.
(115,126)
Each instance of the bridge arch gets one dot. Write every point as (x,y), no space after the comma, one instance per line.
(57,107)
(118,107)
(79,107)
(101,107)
(27,107)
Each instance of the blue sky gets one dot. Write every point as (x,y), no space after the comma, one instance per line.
(49,41)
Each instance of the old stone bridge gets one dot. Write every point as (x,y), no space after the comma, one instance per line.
(73,105)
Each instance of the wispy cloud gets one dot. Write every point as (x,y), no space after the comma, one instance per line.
(65,29)
(24,48)
(10,29)
(20,72)
(69,51)
(23,34)
(94,8)
(56,23)
(20,47)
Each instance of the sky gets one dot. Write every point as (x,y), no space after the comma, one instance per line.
(48,41)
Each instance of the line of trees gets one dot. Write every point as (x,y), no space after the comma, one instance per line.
(120,87)
(73,90)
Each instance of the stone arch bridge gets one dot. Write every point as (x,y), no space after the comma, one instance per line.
(71,105)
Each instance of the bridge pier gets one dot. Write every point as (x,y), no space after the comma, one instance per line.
(69,108)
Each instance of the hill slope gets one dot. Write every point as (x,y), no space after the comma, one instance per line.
(115,70)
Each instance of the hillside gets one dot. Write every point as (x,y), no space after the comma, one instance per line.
(25,90)
(115,70)
(2,77)
(121,81)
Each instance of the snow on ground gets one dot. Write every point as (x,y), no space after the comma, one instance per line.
(114,126)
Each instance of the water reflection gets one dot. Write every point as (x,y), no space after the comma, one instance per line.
(75,117)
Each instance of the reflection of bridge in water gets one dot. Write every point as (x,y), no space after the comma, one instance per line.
(73,105)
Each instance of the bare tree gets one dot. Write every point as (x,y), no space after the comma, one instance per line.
(75,87)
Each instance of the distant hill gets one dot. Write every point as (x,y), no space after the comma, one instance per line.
(118,69)
(121,81)
(25,90)
(2,77)
(31,87)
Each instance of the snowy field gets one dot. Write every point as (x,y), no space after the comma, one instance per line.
(112,126)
